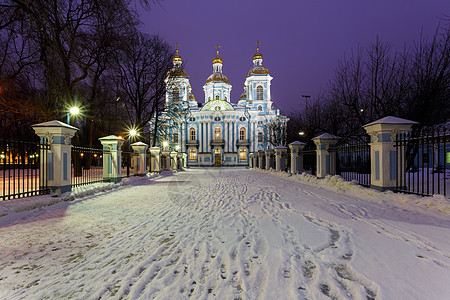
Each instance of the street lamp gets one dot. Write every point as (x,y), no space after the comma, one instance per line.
(131,133)
(301,133)
(72,111)
(306,100)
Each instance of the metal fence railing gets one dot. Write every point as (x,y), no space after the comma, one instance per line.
(353,160)
(87,165)
(23,169)
(127,164)
(423,161)
(309,160)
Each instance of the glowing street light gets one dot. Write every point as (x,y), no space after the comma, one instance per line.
(72,111)
(301,133)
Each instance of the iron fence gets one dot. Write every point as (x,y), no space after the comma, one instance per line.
(127,163)
(353,160)
(309,159)
(423,161)
(23,169)
(87,165)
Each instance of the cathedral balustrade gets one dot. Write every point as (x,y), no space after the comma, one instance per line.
(192,142)
(218,142)
(245,142)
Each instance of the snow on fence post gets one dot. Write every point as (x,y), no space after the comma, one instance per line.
(326,159)
(139,158)
(261,160)
(112,154)
(296,156)
(59,169)
(280,162)
(269,158)
(155,163)
(384,166)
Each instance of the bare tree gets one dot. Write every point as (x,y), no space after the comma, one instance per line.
(142,68)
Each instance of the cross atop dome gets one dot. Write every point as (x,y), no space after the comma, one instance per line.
(217,46)
(257,54)
(217,59)
(177,58)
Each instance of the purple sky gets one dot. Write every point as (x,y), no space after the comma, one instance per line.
(301,41)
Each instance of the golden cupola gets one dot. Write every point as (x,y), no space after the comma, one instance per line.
(217,74)
(258,68)
(177,70)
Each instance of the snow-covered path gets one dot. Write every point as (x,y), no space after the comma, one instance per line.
(226,234)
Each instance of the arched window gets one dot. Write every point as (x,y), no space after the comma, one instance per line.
(176,95)
(260,107)
(259,93)
(242,133)
(242,154)
(217,133)
(192,154)
(192,135)
(217,97)
(260,137)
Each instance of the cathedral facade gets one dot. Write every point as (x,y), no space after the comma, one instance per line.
(218,132)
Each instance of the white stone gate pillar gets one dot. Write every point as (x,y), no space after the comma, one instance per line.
(139,158)
(383,156)
(269,159)
(112,158)
(296,156)
(155,161)
(280,155)
(56,167)
(326,159)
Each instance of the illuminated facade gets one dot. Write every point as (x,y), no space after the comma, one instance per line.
(218,132)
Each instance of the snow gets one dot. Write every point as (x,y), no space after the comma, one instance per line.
(391,120)
(226,233)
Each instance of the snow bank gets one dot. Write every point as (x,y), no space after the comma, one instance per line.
(36,202)
(339,184)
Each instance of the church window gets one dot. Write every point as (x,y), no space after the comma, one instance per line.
(192,154)
(242,119)
(175,137)
(217,133)
(243,154)
(192,119)
(192,135)
(260,108)
(259,93)
(217,97)
(242,134)
(260,137)
(176,94)
(217,119)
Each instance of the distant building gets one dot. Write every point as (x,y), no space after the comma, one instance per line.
(218,132)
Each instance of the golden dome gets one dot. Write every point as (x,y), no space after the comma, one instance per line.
(176,72)
(257,56)
(217,77)
(217,60)
(177,58)
(258,70)
(191,96)
(243,96)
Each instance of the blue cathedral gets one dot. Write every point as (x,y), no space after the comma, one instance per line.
(218,132)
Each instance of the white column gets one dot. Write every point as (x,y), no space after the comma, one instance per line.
(383,155)
(112,156)
(139,158)
(59,170)
(326,160)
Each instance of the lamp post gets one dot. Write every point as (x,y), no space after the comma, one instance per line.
(131,134)
(72,111)
(306,100)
